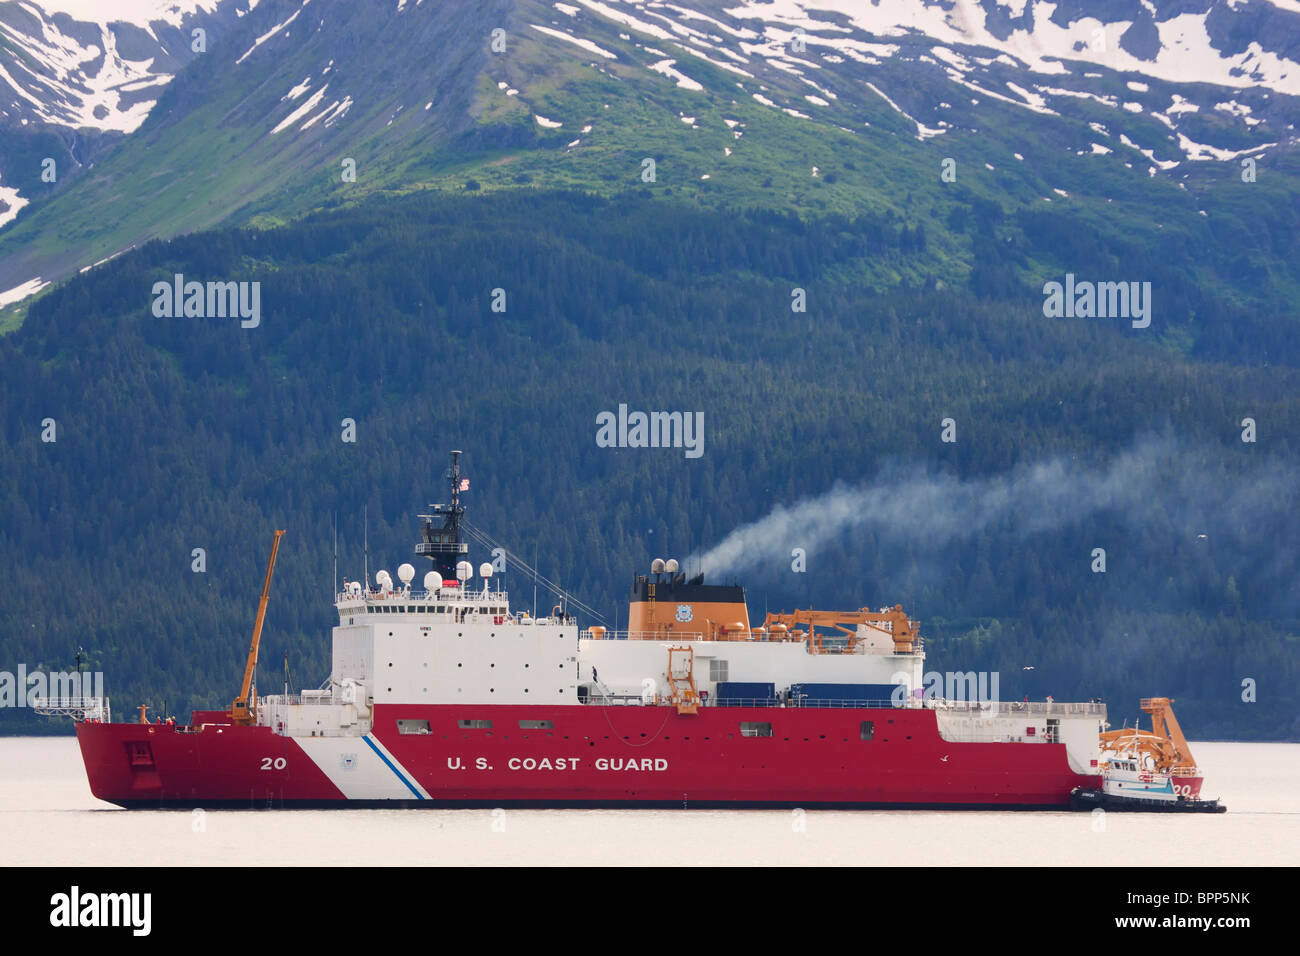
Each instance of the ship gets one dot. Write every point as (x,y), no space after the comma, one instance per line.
(448,695)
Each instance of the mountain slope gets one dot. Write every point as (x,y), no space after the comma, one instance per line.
(781,105)
(77,76)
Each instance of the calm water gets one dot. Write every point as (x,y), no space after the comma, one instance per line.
(48,816)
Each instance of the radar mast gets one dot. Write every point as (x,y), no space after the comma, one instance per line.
(440,532)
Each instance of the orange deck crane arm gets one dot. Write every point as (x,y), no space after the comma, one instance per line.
(901,629)
(242,711)
(1164,723)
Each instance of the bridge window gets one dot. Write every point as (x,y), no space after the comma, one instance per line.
(475,724)
(413,727)
(755,728)
(868,729)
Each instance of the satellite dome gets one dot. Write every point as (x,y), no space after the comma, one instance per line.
(464,571)
(485,569)
(383,579)
(406,573)
(671,566)
(431,580)
(657,566)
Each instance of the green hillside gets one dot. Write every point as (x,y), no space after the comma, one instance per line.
(175,434)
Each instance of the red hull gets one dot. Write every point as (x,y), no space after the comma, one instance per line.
(815,757)
(196,768)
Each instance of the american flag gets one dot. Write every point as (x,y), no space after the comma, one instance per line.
(464,484)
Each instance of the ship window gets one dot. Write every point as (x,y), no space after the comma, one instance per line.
(717,670)
(413,727)
(755,728)
(536,725)
(868,729)
(475,724)
(411,609)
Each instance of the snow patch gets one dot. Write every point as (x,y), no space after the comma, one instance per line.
(272,32)
(301,111)
(20,292)
(13,204)
(298,90)
(666,68)
(1199,152)
(577,41)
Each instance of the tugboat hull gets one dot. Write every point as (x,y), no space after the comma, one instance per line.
(1087,799)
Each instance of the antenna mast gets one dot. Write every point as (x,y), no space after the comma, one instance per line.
(442,544)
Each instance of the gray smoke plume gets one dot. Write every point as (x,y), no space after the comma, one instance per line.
(1155,481)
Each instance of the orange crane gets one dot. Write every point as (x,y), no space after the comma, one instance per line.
(244,710)
(900,627)
(1164,741)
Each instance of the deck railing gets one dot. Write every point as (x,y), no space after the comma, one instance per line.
(456,596)
(79,708)
(828,646)
(966,708)
(611,635)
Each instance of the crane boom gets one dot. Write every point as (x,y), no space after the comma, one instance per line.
(1164,723)
(242,711)
(900,627)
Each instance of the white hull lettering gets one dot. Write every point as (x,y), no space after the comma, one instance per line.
(543,763)
(631,763)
